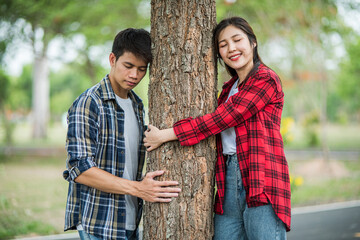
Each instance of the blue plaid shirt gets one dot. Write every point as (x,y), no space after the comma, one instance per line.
(95,138)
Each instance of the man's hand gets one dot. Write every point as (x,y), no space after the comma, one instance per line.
(148,189)
(156,191)
(154,137)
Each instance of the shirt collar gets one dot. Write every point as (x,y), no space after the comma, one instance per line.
(108,92)
(233,79)
(230,82)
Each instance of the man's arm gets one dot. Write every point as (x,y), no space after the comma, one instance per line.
(148,189)
(81,143)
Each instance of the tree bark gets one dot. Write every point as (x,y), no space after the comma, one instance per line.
(182,84)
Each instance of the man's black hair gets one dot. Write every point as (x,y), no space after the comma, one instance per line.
(135,41)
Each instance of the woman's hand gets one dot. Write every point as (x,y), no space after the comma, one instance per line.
(154,137)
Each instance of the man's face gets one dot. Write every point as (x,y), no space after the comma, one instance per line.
(126,72)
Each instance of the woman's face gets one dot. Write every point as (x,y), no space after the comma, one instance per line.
(235,49)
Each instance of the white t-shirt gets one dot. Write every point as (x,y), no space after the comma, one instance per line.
(228,136)
(131,135)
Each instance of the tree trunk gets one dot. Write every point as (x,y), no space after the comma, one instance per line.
(41,97)
(323,115)
(182,84)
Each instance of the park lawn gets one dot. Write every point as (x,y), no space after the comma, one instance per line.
(32,196)
(22,136)
(330,191)
(339,137)
(342,183)
(33,193)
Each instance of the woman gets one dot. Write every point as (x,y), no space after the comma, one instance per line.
(253,187)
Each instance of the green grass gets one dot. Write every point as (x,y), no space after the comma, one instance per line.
(335,190)
(339,137)
(32,196)
(344,136)
(33,192)
(326,188)
(14,222)
(22,136)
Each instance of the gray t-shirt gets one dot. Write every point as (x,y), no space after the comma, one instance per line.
(228,136)
(131,134)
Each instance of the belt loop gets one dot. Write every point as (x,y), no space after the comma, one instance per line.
(228,158)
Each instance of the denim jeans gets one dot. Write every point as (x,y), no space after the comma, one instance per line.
(239,221)
(130,235)
(86,236)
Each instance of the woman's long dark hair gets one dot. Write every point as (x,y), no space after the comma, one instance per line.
(243,25)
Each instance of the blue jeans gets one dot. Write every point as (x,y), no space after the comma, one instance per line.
(86,236)
(239,221)
(130,235)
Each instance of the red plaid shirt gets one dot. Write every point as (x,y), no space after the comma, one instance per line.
(255,112)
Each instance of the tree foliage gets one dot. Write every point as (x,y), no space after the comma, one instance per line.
(42,21)
(66,86)
(348,80)
(296,38)
(97,20)
(21,91)
(4,89)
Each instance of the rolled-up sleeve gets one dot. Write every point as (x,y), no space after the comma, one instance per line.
(81,141)
(83,165)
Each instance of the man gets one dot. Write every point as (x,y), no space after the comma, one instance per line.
(105,148)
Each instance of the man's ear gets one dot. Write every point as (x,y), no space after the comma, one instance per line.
(112,59)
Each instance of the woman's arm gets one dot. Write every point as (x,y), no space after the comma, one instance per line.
(154,137)
(250,99)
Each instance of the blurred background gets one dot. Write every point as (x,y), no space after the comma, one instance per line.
(53,50)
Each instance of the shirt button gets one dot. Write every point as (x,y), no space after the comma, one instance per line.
(122,214)
(122,152)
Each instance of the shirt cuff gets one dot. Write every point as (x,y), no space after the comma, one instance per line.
(185,132)
(82,165)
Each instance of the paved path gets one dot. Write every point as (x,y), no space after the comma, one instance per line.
(337,221)
(66,236)
(326,222)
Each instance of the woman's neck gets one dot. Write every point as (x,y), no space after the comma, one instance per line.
(244,71)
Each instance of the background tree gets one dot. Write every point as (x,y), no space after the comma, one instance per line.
(40,22)
(4,94)
(182,84)
(347,85)
(99,23)
(299,40)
